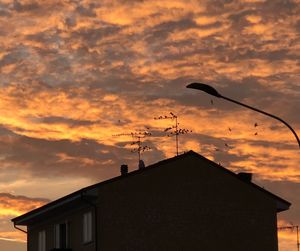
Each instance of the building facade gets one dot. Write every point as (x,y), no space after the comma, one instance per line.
(184,203)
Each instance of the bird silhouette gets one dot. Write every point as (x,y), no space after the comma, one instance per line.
(255,124)
(226,145)
(255,133)
(229,129)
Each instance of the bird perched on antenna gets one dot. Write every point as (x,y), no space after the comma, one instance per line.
(138,135)
(173,130)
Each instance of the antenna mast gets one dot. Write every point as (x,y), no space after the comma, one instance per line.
(174,130)
(137,136)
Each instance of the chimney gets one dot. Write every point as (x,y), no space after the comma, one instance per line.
(245,176)
(124,170)
(141,164)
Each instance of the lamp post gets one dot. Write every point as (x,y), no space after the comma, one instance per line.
(210,90)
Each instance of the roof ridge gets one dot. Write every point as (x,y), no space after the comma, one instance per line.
(84,189)
(75,194)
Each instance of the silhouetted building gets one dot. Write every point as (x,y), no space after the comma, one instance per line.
(183,203)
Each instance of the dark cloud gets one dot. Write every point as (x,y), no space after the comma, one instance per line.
(91,36)
(42,157)
(13,56)
(18,6)
(86,11)
(281,8)
(85,158)
(49,37)
(160,32)
(70,122)
(9,200)
(4,13)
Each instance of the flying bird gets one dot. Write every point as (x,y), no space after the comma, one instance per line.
(255,124)
(255,133)
(229,129)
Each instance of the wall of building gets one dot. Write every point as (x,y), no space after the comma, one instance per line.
(74,218)
(185,205)
(182,205)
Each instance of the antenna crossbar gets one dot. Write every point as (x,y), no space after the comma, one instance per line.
(174,130)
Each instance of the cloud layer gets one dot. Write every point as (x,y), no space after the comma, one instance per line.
(75,73)
(12,206)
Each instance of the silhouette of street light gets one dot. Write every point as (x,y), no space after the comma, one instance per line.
(212,91)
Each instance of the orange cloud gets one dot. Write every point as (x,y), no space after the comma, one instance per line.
(11,205)
(134,11)
(16,236)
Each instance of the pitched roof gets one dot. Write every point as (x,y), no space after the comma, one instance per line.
(77,195)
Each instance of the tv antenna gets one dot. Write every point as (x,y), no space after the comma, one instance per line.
(291,228)
(174,130)
(137,141)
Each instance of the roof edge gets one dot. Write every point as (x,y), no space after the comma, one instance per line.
(282,204)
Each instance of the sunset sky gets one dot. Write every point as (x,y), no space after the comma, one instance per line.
(73,74)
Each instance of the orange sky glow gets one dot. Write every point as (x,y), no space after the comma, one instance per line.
(74,74)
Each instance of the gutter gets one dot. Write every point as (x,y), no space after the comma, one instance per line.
(96,217)
(15,226)
(36,212)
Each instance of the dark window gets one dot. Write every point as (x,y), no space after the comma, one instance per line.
(61,235)
(42,240)
(87,227)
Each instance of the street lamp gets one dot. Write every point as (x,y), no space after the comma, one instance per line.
(212,91)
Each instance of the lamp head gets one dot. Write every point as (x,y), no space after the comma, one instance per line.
(206,88)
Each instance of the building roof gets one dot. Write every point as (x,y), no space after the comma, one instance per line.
(281,204)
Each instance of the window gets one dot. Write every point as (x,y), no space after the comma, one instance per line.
(61,235)
(87,227)
(42,240)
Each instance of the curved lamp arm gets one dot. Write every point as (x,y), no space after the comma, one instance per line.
(210,90)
